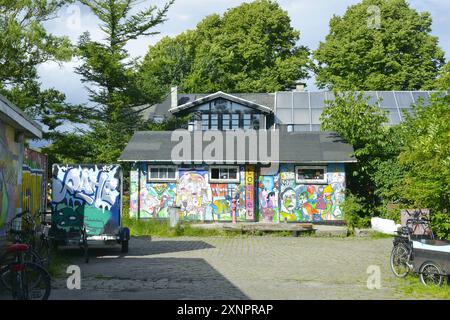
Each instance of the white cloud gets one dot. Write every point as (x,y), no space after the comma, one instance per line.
(311,17)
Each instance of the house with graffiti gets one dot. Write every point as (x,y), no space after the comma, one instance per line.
(257,157)
(19,167)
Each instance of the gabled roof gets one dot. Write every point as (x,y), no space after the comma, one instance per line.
(15,117)
(294,147)
(226,96)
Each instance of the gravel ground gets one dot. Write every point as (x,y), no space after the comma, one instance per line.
(235,268)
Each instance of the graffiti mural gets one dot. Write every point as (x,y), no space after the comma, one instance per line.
(250,192)
(223,197)
(268,199)
(193,194)
(34,181)
(279,197)
(156,200)
(89,193)
(311,202)
(10,174)
(134,193)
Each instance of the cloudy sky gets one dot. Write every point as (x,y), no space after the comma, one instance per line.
(310,17)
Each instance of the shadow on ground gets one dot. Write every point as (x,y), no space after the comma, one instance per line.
(150,248)
(149,278)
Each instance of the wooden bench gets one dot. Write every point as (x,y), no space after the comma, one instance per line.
(294,228)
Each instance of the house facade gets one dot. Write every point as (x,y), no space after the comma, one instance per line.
(256,157)
(19,185)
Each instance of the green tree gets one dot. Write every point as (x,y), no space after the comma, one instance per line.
(110,72)
(399,55)
(375,147)
(251,48)
(24,45)
(426,156)
(443,81)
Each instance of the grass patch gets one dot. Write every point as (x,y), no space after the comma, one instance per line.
(59,261)
(380,235)
(411,286)
(161,228)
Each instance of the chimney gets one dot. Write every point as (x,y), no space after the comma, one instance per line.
(174,97)
(300,86)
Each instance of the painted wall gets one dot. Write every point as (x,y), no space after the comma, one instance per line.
(11,158)
(34,181)
(277,197)
(89,192)
(282,198)
(197,198)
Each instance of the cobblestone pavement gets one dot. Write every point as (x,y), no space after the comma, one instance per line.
(235,268)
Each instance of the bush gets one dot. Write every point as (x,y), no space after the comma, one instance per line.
(355,213)
(440,223)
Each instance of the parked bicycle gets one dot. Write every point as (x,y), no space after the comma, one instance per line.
(421,254)
(25,228)
(21,275)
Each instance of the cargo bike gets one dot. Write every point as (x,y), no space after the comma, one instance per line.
(86,206)
(420,254)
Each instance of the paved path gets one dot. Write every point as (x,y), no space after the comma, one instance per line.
(235,268)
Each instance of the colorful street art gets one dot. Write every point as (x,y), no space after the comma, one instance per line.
(89,193)
(268,199)
(193,194)
(197,199)
(312,202)
(134,193)
(250,192)
(156,199)
(279,197)
(10,169)
(34,181)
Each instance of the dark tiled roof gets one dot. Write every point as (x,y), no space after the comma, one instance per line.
(294,147)
(243,100)
(162,109)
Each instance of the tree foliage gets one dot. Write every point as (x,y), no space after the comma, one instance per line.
(400,55)
(251,48)
(406,165)
(443,81)
(426,155)
(24,45)
(362,125)
(110,75)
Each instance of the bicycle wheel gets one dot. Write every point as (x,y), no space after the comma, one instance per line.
(10,258)
(399,260)
(43,250)
(430,274)
(29,282)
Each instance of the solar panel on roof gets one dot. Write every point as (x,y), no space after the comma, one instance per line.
(302,116)
(421,96)
(371,97)
(404,99)
(317,99)
(284,99)
(315,115)
(301,100)
(387,99)
(304,113)
(284,116)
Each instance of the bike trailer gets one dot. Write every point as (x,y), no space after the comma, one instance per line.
(88,199)
(432,251)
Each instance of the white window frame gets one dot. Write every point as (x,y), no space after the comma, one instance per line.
(236,180)
(311,181)
(150,179)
